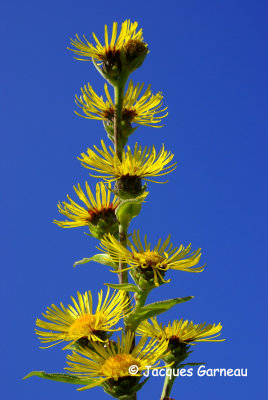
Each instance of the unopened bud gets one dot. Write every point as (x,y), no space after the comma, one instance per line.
(103,223)
(135,52)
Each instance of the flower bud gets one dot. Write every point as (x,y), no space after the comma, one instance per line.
(129,187)
(144,278)
(122,388)
(104,223)
(126,130)
(133,54)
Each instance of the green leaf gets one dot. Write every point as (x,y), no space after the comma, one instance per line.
(129,287)
(151,310)
(128,209)
(61,378)
(104,259)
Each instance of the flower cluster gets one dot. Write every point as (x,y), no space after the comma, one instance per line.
(105,52)
(115,360)
(98,357)
(119,56)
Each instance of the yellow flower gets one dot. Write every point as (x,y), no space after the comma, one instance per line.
(180,331)
(115,361)
(142,163)
(101,208)
(155,261)
(110,51)
(143,111)
(78,321)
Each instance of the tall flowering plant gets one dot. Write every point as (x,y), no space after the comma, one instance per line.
(96,356)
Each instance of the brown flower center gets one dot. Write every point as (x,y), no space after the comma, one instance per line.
(128,114)
(106,213)
(111,59)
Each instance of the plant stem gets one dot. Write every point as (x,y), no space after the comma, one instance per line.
(118,108)
(118,148)
(168,383)
(141,299)
(122,276)
(119,89)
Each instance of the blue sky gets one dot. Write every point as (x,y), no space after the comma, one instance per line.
(209,59)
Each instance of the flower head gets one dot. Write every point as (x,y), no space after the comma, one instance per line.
(150,264)
(180,331)
(129,40)
(99,211)
(114,361)
(145,110)
(78,321)
(141,164)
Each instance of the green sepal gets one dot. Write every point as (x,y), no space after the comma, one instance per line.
(177,354)
(132,62)
(140,385)
(109,128)
(61,378)
(153,309)
(104,259)
(128,209)
(111,77)
(125,195)
(144,279)
(102,228)
(125,388)
(128,287)
(126,130)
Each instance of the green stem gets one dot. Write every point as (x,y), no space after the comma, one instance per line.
(119,89)
(141,299)
(122,276)
(168,383)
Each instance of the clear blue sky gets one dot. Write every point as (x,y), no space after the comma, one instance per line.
(209,60)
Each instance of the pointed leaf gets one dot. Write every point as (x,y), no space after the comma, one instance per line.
(129,287)
(129,207)
(151,310)
(127,210)
(104,259)
(61,377)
